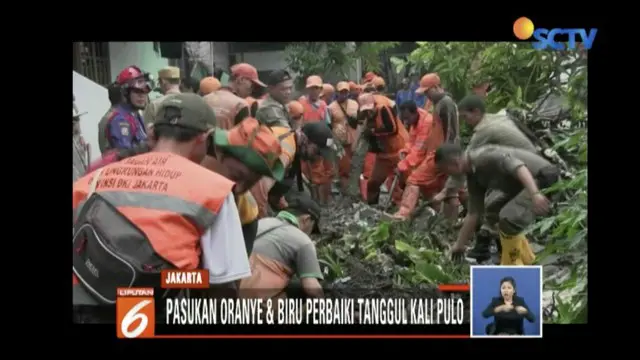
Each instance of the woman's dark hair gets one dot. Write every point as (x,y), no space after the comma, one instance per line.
(409,106)
(510,280)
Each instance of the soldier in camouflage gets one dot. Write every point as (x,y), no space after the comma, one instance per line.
(495,129)
(519,174)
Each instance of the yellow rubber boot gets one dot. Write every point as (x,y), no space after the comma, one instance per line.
(409,201)
(516,250)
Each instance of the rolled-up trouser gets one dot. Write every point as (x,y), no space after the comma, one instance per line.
(515,216)
(268,279)
(369,163)
(383,168)
(318,172)
(513,219)
(494,201)
(344,166)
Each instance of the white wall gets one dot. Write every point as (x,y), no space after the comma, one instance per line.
(139,53)
(94,99)
(221,55)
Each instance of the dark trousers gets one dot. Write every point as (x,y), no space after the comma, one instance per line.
(250,231)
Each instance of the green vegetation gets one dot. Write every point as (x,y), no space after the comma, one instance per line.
(520,77)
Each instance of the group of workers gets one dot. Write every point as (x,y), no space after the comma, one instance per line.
(213,179)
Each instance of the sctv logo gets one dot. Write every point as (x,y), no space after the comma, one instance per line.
(523,29)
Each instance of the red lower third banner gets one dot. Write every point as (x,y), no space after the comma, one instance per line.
(140,313)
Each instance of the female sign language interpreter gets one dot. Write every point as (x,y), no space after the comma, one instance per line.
(508,311)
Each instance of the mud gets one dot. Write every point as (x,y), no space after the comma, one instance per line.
(345,220)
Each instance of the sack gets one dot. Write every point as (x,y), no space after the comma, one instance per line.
(109,251)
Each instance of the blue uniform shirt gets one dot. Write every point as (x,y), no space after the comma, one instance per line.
(420,99)
(405,95)
(122,134)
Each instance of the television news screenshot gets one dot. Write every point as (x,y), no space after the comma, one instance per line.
(333,190)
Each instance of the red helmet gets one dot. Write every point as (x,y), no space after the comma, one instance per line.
(133,78)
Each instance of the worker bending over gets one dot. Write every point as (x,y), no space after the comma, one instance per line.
(375,86)
(518,173)
(386,137)
(170,212)
(488,129)
(319,172)
(417,164)
(283,249)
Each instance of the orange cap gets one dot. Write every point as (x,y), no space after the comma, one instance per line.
(327,89)
(247,71)
(343,85)
(368,77)
(295,109)
(209,85)
(253,144)
(366,101)
(314,81)
(378,81)
(427,82)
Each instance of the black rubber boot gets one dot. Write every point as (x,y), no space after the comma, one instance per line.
(482,248)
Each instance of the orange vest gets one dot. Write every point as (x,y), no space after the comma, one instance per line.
(338,119)
(170,198)
(393,143)
(311,113)
(381,99)
(226,105)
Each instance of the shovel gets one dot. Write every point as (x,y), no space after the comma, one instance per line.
(385,201)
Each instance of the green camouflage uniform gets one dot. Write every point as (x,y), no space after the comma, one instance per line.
(150,112)
(273,113)
(493,129)
(495,168)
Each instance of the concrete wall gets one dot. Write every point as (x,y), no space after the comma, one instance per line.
(93,99)
(221,55)
(139,53)
(268,60)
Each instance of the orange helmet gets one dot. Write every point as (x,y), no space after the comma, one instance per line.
(378,82)
(295,109)
(209,85)
(427,82)
(368,77)
(327,90)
